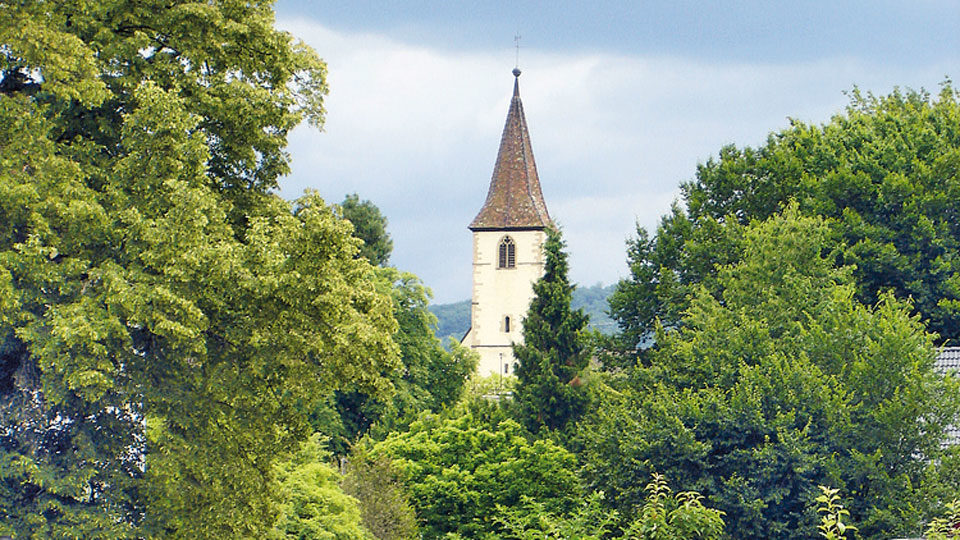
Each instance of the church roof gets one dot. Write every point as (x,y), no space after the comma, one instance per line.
(514,200)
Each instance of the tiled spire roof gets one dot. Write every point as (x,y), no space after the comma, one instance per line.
(514,200)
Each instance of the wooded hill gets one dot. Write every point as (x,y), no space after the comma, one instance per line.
(453,320)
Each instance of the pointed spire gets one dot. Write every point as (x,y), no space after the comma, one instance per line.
(514,200)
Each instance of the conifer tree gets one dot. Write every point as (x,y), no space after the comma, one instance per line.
(549,391)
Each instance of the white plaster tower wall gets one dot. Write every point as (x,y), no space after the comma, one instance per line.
(501,296)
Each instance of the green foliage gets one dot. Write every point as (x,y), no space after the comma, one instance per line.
(499,385)
(550,391)
(832,526)
(664,516)
(942,480)
(432,377)
(459,468)
(533,520)
(775,381)
(370,226)
(674,517)
(946,526)
(165,319)
(384,503)
(887,173)
(312,504)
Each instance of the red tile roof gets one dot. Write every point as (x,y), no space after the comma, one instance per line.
(514,200)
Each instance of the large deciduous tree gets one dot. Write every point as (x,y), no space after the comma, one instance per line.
(459,466)
(431,377)
(887,173)
(164,319)
(774,381)
(549,391)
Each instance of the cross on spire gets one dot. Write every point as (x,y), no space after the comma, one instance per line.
(516,40)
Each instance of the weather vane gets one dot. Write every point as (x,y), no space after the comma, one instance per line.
(516,39)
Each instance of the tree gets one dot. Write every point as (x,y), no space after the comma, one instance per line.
(947,526)
(313,505)
(431,378)
(834,524)
(384,504)
(533,520)
(885,172)
(663,516)
(458,467)
(370,226)
(164,317)
(683,516)
(549,391)
(775,382)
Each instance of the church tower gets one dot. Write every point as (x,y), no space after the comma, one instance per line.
(508,237)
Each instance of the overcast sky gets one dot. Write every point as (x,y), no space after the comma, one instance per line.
(623,99)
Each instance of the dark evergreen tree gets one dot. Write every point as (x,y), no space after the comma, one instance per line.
(369,225)
(549,390)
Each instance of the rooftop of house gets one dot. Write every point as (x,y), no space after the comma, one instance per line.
(948,361)
(949,358)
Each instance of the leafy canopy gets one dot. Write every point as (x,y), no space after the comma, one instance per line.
(887,174)
(313,505)
(776,381)
(370,226)
(164,318)
(458,467)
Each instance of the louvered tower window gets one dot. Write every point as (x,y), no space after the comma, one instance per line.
(508,253)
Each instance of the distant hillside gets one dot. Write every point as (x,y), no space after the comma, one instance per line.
(593,300)
(454,319)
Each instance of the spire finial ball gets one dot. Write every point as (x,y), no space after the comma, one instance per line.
(516,72)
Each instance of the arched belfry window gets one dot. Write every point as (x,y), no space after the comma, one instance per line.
(508,253)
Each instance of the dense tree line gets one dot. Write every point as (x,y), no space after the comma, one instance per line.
(775,382)
(184,354)
(886,174)
(762,353)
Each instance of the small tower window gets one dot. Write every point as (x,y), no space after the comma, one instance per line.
(508,253)
(506,324)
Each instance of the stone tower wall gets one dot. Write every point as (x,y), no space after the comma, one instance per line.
(499,293)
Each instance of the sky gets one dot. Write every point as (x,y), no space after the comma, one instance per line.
(623,100)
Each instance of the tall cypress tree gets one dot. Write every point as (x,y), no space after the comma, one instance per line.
(549,391)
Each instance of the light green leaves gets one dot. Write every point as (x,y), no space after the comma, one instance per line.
(832,526)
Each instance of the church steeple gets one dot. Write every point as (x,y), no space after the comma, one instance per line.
(508,237)
(514,200)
